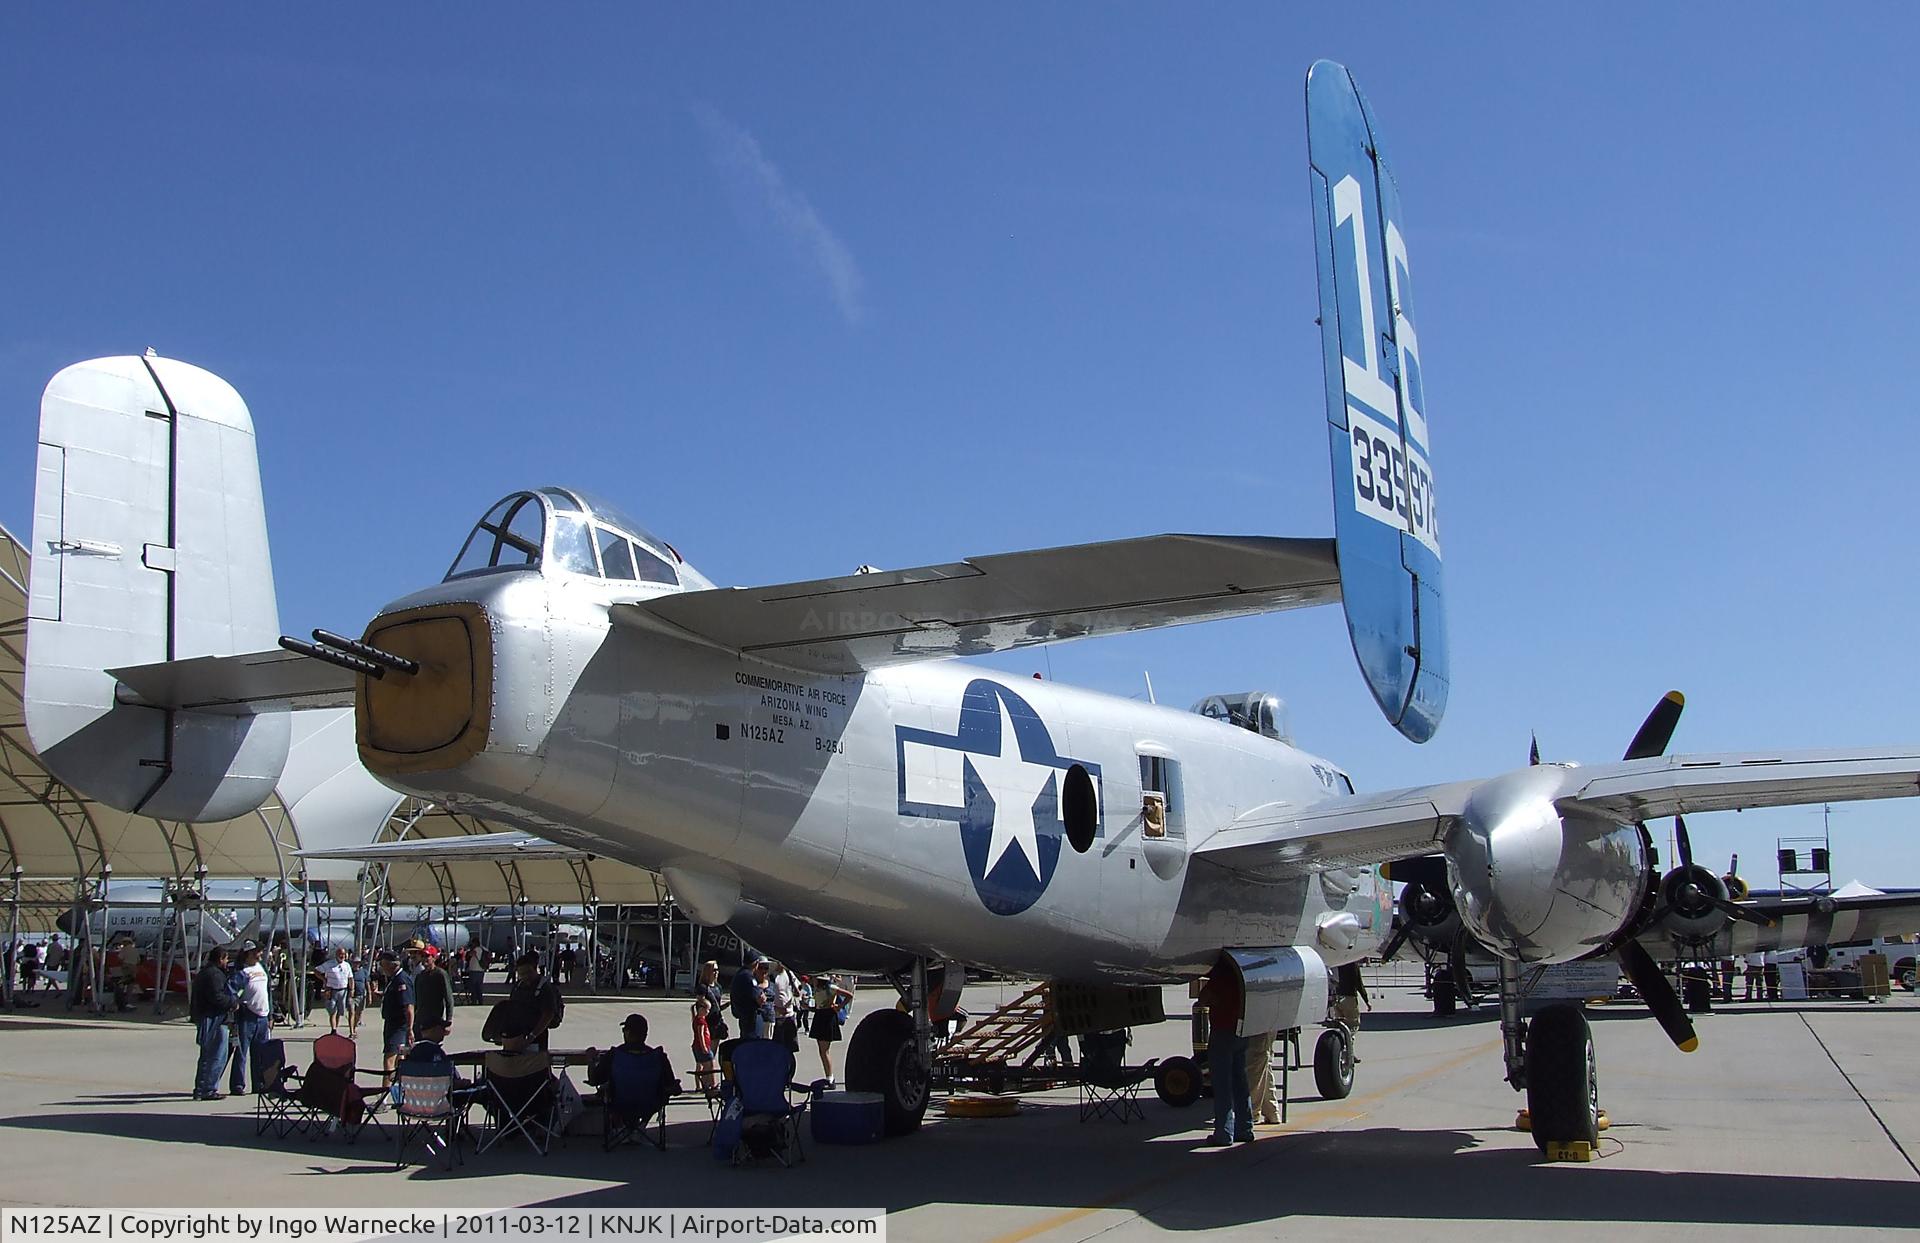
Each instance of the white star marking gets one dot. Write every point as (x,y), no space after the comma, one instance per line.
(1015,786)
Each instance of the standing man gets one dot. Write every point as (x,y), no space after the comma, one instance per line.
(251,1018)
(1260,1076)
(336,976)
(1227,1056)
(396,1012)
(746,995)
(209,1004)
(539,995)
(55,961)
(432,988)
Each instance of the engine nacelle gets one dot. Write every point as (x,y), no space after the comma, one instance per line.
(1535,885)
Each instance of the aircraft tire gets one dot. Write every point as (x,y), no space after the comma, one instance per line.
(1333,1064)
(1176,1080)
(1563,1096)
(881,1058)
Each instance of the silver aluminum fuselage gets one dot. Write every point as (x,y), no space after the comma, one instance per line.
(671,755)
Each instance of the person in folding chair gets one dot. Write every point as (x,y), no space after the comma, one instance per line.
(1108,1087)
(761,1120)
(636,1081)
(433,1098)
(519,1092)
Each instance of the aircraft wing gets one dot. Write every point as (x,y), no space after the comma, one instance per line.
(1361,830)
(1349,831)
(239,685)
(999,603)
(1682,784)
(1818,919)
(477,847)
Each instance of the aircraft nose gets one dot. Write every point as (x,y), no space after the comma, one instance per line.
(436,718)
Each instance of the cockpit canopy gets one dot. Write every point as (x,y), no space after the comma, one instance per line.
(1260,712)
(570,531)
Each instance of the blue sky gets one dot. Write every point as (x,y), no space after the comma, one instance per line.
(809,288)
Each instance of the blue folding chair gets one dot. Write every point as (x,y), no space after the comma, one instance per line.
(757,1095)
(638,1088)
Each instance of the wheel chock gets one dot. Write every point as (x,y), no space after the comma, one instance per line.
(1523,1121)
(1577,1150)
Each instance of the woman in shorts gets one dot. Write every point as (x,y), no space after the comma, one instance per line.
(828,997)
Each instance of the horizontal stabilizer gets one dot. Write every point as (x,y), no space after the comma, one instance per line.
(236,685)
(1000,603)
(476,848)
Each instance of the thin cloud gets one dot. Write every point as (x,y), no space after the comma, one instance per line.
(764,190)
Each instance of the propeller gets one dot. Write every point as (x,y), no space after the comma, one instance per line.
(1691,892)
(1648,979)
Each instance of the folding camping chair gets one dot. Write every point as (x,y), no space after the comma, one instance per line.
(337,1103)
(277,1107)
(521,1098)
(1108,1087)
(756,1095)
(432,1107)
(638,1086)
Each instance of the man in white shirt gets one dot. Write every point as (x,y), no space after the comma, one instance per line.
(1756,965)
(251,1020)
(336,976)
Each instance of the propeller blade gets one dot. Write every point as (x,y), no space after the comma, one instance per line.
(1395,941)
(1657,730)
(1652,985)
(1685,843)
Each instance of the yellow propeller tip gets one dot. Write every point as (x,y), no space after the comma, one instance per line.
(1689,1044)
(1676,698)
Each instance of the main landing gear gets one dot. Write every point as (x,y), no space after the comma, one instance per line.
(891,1051)
(1551,1058)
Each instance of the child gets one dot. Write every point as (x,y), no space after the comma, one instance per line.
(703,1069)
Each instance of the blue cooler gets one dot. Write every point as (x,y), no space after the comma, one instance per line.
(848,1118)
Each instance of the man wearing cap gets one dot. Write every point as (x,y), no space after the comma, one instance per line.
(633,1039)
(432,987)
(251,1018)
(396,1011)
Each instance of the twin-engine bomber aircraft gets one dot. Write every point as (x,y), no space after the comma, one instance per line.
(804,760)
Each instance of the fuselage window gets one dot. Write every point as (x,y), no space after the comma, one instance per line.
(1079,808)
(616,554)
(651,568)
(1162,806)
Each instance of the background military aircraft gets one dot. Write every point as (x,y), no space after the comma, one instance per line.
(806,758)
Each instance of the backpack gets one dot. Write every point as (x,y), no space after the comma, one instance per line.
(559,1005)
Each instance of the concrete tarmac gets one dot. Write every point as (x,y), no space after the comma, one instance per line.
(1796,1116)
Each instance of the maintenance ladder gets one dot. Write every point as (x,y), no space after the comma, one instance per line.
(1013,1035)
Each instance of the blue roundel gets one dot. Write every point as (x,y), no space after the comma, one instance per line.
(1007,799)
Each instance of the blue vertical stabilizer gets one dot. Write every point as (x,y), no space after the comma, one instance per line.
(1384,513)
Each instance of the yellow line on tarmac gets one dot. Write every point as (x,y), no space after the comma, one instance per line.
(1349,1110)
